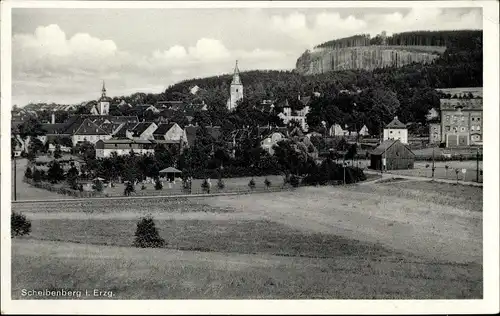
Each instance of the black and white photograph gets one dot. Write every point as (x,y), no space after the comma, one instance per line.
(252,152)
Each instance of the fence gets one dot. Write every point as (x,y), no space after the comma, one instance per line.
(465,170)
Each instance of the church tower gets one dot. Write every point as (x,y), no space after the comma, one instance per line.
(103,103)
(236,90)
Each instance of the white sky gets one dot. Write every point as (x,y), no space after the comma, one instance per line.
(62,55)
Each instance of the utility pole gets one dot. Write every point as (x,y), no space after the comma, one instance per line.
(477,165)
(433,163)
(15,179)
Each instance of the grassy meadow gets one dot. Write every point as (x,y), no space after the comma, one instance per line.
(403,239)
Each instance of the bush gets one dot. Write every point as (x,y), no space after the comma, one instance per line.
(129,188)
(205,185)
(28,174)
(98,187)
(143,187)
(251,184)
(37,175)
(294,180)
(19,225)
(146,234)
(220,184)
(267,183)
(158,184)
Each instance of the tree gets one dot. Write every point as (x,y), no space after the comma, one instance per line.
(28,174)
(57,152)
(55,173)
(220,184)
(158,184)
(37,176)
(146,234)
(31,128)
(98,187)
(251,184)
(19,225)
(267,183)
(351,152)
(129,188)
(72,177)
(35,146)
(87,151)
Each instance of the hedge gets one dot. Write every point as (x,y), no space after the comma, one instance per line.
(64,191)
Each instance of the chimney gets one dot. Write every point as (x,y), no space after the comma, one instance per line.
(53,121)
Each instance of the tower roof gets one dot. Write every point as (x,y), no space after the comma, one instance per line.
(236,75)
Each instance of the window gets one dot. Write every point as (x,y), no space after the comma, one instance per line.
(478,128)
(447,117)
(399,132)
(478,118)
(447,128)
(462,129)
(473,119)
(463,118)
(390,132)
(472,128)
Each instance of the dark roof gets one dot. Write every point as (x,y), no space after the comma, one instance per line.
(163,129)
(382,148)
(90,128)
(305,100)
(125,127)
(465,104)
(141,127)
(110,127)
(54,128)
(214,131)
(396,124)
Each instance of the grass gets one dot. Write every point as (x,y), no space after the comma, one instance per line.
(165,274)
(239,236)
(411,239)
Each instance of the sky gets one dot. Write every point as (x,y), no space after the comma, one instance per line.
(63,55)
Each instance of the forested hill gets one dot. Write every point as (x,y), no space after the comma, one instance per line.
(459,66)
(408,91)
(463,39)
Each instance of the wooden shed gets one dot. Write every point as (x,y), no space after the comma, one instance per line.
(396,155)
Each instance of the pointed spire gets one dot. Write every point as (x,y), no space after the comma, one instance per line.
(103,89)
(236,75)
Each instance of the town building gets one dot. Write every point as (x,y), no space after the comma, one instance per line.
(288,115)
(392,155)
(461,122)
(236,90)
(105,148)
(396,130)
(88,131)
(144,130)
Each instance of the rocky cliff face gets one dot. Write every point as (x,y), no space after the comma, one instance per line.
(322,60)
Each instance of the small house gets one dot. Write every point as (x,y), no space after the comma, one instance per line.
(393,155)
(396,130)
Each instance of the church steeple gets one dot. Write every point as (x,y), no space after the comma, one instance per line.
(103,94)
(236,75)
(236,89)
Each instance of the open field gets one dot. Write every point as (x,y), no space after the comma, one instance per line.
(171,274)
(410,239)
